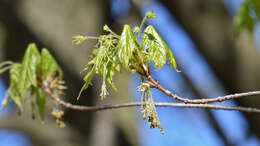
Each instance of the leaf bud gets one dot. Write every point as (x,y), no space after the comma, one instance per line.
(4,103)
(150,15)
(136,29)
(106,28)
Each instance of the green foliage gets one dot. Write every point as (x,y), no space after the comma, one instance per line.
(13,90)
(112,51)
(157,49)
(49,65)
(40,99)
(128,48)
(115,50)
(104,62)
(31,61)
(247,16)
(28,77)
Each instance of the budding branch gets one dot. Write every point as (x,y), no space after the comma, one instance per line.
(197,104)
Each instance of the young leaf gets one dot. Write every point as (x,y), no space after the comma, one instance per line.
(171,60)
(243,19)
(31,60)
(40,100)
(87,80)
(156,51)
(256,7)
(12,91)
(157,48)
(127,46)
(49,65)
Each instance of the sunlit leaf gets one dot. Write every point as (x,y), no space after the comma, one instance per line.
(128,45)
(99,57)
(171,60)
(49,64)
(157,48)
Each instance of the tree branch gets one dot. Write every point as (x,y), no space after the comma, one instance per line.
(203,101)
(46,88)
(155,84)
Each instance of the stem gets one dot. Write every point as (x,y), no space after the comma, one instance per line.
(155,84)
(92,37)
(6,63)
(141,26)
(201,101)
(46,88)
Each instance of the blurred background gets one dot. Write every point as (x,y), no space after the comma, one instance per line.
(200,33)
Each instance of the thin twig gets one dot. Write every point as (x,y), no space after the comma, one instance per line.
(155,84)
(203,101)
(47,90)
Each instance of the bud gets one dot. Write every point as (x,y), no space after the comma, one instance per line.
(106,28)
(136,29)
(150,15)
(143,87)
(78,39)
(104,91)
(4,103)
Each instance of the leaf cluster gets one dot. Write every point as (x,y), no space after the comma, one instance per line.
(114,51)
(27,77)
(247,16)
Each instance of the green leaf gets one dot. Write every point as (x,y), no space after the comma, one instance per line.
(31,60)
(49,65)
(243,19)
(99,58)
(87,80)
(40,100)
(109,73)
(127,46)
(13,91)
(157,48)
(256,7)
(118,67)
(172,61)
